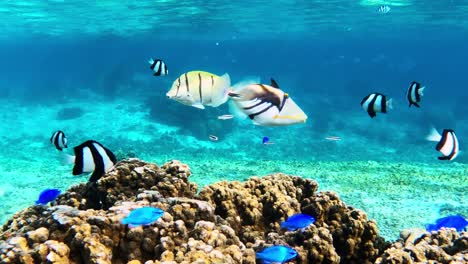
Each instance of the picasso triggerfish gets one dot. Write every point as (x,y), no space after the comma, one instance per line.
(267,105)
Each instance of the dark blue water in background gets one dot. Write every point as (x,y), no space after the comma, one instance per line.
(327,75)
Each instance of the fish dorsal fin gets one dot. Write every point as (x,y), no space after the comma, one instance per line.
(274,84)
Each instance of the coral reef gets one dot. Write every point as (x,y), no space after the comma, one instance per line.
(416,246)
(226,222)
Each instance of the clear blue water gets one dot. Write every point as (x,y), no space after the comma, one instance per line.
(327,55)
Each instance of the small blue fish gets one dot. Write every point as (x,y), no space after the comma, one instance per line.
(277,254)
(298,221)
(265,140)
(384,9)
(142,216)
(48,195)
(454,221)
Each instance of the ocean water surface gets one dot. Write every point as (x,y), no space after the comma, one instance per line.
(81,67)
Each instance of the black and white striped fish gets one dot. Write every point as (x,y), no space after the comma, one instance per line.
(59,140)
(383,9)
(376,102)
(266,105)
(414,93)
(200,89)
(91,156)
(159,67)
(448,143)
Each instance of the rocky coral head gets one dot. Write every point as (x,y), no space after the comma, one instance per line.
(127,180)
(226,222)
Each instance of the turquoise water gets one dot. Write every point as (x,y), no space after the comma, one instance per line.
(81,67)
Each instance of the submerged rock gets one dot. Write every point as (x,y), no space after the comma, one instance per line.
(226,222)
(69,113)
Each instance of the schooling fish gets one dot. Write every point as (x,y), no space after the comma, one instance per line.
(200,89)
(48,195)
(383,9)
(454,221)
(277,254)
(158,67)
(91,156)
(59,140)
(298,221)
(376,102)
(142,216)
(267,105)
(448,143)
(414,93)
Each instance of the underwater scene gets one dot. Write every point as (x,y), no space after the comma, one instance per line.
(163,131)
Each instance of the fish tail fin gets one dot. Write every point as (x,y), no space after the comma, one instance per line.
(390,104)
(235,111)
(223,85)
(421,90)
(431,227)
(66,159)
(415,104)
(433,135)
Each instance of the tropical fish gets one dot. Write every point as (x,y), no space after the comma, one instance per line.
(277,254)
(383,9)
(448,143)
(213,138)
(59,140)
(158,67)
(298,221)
(200,89)
(91,156)
(48,195)
(265,140)
(454,221)
(142,216)
(267,105)
(376,102)
(225,117)
(414,93)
